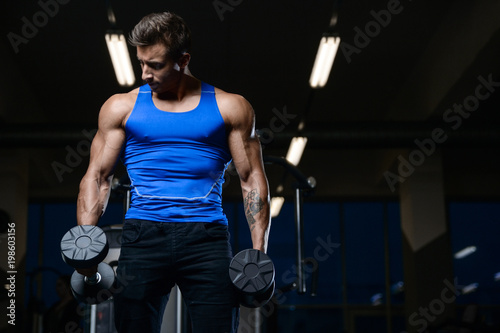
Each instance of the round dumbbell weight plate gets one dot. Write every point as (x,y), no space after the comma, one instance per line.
(258,300)
(84,246)
(252,273)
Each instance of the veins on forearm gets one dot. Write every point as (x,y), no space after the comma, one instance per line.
(253,205)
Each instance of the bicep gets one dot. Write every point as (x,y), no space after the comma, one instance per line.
(246,154)
(107,143)
(243,142)
(104,152)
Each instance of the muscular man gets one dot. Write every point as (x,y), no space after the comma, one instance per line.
(175,135)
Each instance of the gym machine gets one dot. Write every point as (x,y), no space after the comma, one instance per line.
(301,185)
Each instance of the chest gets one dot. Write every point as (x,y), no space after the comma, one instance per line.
(201,125)
(187,104)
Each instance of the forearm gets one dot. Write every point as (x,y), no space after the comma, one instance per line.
(256,205)
(92,199)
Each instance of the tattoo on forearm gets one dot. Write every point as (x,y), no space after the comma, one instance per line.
(253,205)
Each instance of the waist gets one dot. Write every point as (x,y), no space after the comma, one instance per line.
(206,210)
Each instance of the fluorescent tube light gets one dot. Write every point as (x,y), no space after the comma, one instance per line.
(324,60)
(296,150)
(470,288)
(117,47)
(276,204)
(465,252)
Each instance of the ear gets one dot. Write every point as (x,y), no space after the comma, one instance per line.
(184,60)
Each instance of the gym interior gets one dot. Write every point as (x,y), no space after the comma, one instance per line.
(388,219)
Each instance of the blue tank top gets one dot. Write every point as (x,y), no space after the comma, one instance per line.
(176,160)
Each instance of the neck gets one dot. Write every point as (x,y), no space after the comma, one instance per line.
(184,85)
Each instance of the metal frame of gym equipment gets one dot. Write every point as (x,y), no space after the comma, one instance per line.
(301,186)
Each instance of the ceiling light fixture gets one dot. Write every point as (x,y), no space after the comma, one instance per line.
(120,57)
(327,50)
(465,252)
(325,56)
(296,149)
(118,51)
(470,288)
(276,205)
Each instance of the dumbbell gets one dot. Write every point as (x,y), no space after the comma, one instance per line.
(86,246)
(252,274)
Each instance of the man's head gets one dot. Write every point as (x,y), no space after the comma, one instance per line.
(163,28)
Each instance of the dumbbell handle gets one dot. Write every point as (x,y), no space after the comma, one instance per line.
(93,279)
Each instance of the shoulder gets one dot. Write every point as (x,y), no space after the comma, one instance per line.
(118,107)
(234,108)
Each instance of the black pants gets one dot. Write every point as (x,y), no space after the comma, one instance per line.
(155,256)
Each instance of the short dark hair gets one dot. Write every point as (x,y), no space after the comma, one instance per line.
(166,28)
